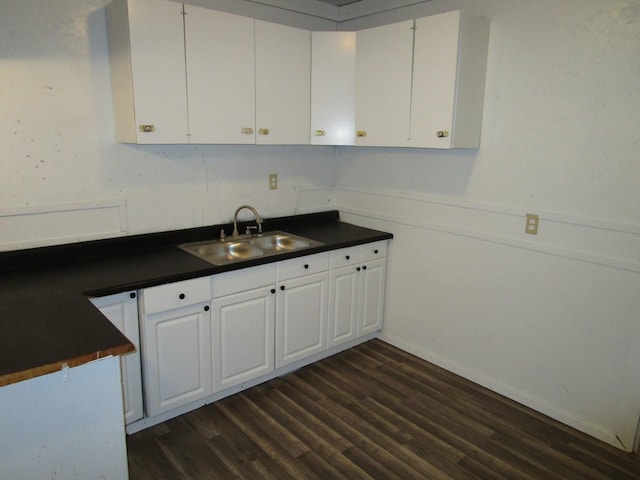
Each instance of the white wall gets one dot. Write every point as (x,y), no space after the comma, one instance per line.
(57,149)
(552,320)
(549,320)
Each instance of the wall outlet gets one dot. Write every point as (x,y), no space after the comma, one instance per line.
(273,181)
(532,224)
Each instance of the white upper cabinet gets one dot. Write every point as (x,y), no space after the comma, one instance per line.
(421,83)
(448,80)
(383,85)
(283,84)
(146,46)
(220,76)
(188,74)
(333,82)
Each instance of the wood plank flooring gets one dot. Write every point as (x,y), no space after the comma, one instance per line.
(371,412)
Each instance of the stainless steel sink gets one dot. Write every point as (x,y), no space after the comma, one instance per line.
(246,247)
(227,251)
(281,242)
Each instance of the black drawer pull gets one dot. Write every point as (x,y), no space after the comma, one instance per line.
(375,251)
(206,308)
(364,267)
(182,296)
(281,287)
(348,257)
(306,266)
(358,269)
(273,290)
(132,295)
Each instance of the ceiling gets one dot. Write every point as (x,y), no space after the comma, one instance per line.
(338,10)
(339,3)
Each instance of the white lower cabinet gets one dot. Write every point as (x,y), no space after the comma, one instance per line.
(243,319)
(301,318)
(207,335)
(356,292)
(301,308)
(122,310)
(242,337)
(371,301)
(344,288)
(280,307)
(176,344)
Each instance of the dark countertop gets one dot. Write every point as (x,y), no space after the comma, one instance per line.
(46,320)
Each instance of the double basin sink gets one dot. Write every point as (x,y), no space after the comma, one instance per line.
(246,247)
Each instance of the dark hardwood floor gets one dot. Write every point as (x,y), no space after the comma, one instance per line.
(371,412)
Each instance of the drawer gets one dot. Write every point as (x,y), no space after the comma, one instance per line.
(298,267)
(243,280)
(346,256)
(175,295)
(371,251)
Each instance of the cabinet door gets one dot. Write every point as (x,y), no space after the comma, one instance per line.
(221,76)
(283,84)
(146,47)
(344,297)
(383,84)
(372,286)
(242,336)
(434,87)
(177,357)
(122,310)
(301,318)
(333,77)
(449,80)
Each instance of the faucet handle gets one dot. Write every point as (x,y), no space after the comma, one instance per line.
(249,228)
(222,235)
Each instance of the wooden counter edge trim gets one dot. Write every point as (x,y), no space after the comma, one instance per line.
(38,371)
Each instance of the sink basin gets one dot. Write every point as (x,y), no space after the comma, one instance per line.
(246,247)
(281,242)
(227,251)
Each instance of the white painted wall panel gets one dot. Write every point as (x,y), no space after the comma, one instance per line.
(559,137)
(549,320)
(35,225)
(57,139)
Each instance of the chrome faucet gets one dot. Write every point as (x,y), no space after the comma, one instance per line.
(235,219)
